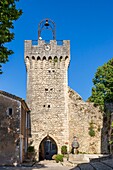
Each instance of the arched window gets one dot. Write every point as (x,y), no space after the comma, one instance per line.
(44,58)
(61,58)
(38,58)
(50,58)
(33,57)
(27,57)
(55,59)
(66,57)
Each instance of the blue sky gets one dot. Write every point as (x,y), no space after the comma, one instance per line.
(88,24)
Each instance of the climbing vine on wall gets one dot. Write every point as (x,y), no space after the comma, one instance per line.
(91,130)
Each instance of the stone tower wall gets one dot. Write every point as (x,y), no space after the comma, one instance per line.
(47,90)
(83,116)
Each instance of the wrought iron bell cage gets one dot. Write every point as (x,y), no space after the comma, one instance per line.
(47,24)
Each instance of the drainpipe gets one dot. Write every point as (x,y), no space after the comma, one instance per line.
(21,148)
(20,135)
(26,132)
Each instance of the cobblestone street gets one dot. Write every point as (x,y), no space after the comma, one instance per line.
(44,165)
(50,165)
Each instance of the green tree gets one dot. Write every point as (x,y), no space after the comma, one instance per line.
(103,85)
(8,14)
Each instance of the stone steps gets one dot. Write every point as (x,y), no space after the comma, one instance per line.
(27,163)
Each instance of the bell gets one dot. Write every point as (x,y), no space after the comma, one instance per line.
(46,24)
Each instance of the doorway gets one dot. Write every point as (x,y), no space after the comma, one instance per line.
(47,148)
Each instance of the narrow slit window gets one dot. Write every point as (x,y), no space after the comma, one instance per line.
(10,111)
(60,58)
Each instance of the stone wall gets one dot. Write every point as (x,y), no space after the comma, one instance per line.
(83,116)
(9,130)
(13,128)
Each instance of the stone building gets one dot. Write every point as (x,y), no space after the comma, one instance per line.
(57,112)
(14,128)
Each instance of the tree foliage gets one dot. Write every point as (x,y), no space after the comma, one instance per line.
(103,85)
(8,14)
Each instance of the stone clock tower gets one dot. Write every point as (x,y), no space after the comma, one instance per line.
(47,91)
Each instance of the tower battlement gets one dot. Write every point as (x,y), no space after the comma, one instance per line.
(47,51)
(44,48)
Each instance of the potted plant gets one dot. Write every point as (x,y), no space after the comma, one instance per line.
(31,153)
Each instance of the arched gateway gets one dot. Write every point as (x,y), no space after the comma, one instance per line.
(47,148)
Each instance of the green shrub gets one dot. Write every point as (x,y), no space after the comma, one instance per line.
(91,132)
(59,158)
(31,149)
(64,149)
(91,129)
(55,59)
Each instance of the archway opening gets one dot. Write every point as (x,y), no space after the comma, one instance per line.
(47,148)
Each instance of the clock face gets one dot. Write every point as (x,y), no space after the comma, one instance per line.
(47,47)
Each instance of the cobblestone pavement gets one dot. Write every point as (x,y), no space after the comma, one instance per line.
(49,165)
(44,165)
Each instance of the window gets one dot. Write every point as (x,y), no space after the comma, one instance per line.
(55,59)
(48,106)
(33,57)
(10,111)
(50,58)
(60,58)
(66,57)
(44,58)
(46,89)
(38,58)
(28,119)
